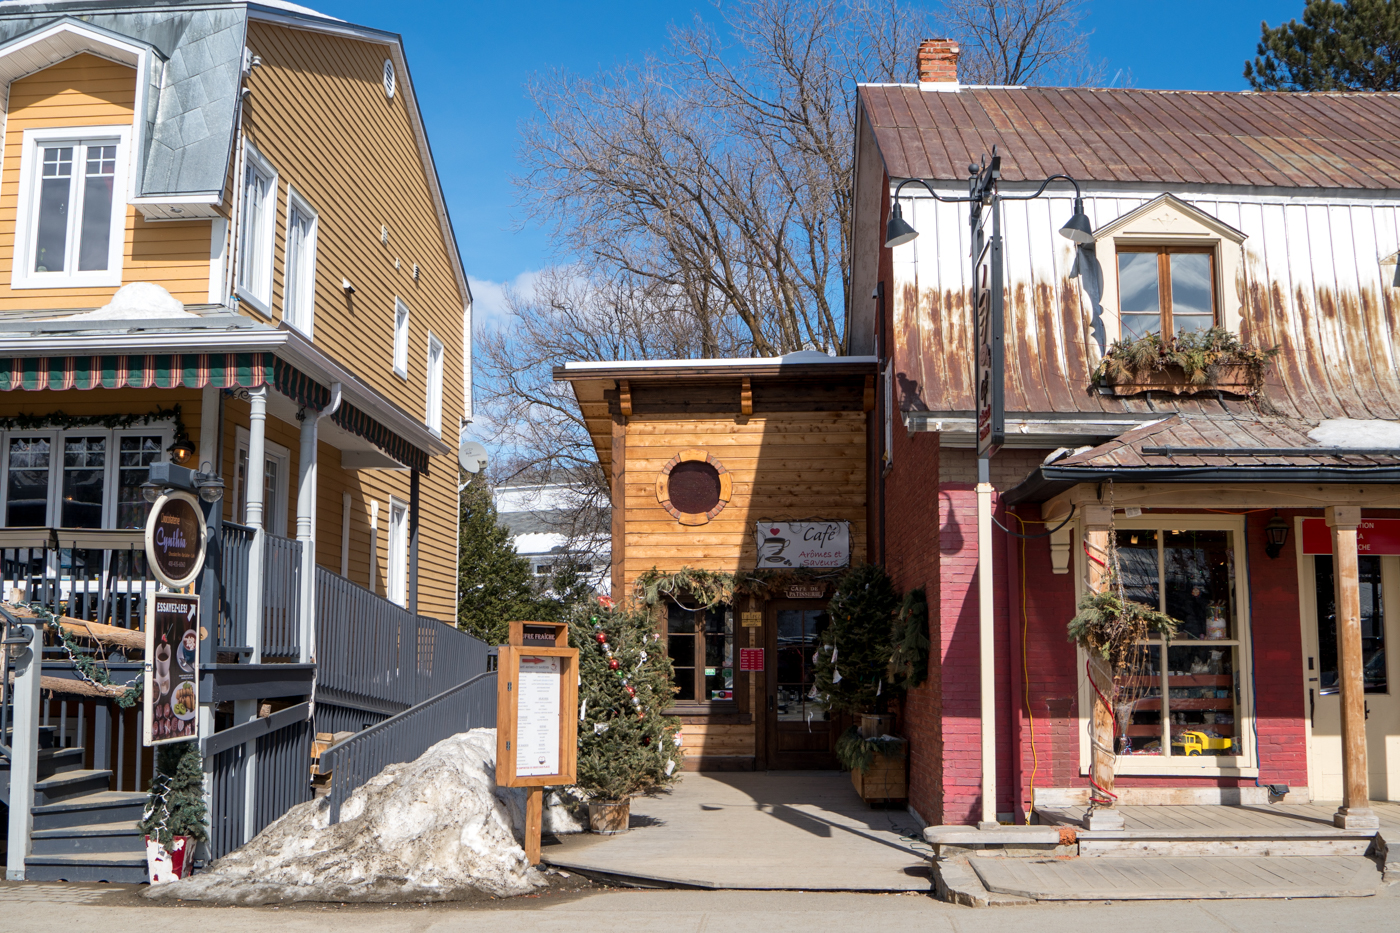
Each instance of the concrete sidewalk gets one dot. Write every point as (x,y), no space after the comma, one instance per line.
(776,830)
(43,908)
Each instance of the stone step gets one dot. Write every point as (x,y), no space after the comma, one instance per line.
(113,807)
(115,867)
(89,839)
(1261,845)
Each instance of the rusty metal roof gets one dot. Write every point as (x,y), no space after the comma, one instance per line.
(1331,140)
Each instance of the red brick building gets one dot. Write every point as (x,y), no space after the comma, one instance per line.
(1232,506)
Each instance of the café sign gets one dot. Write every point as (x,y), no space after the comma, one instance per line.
(175,539)
(803,544)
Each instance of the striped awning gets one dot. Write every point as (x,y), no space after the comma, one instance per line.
(155,371)
(195,371)
(358,423)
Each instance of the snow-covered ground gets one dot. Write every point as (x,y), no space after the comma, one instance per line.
(430,829)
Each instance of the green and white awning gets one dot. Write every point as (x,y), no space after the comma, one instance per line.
(154,371)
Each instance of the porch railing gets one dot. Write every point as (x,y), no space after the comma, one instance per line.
(281,634)
(376,653)
(97,575)
(405,736)
(237,554)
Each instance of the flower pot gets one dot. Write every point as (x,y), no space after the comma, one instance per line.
(609,817)
(169,865)
(1231,378)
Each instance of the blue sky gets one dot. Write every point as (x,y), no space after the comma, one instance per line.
(470,62)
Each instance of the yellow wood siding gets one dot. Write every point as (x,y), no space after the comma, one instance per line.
(89,91)
(785,467)
(318,113)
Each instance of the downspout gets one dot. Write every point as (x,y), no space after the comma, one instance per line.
(307,486)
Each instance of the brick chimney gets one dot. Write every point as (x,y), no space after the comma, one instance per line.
(938,64)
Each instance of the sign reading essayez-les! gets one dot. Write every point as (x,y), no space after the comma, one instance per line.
(175,539)
(1374,536)
(171,694)
(803,544)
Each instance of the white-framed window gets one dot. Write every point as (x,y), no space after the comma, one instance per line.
(400,338)
(397,582)
(434,415)
(1191,695)
(277,465)
(257,214)
(80,478)
(299,290)
(69,229)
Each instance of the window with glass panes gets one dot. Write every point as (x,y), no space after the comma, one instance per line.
(136,454)
(700,643)
(1165,290)
(74,215)
(799,634)
(78,466)
(1183,698)
(27,481)
(84,481)
(1368,580)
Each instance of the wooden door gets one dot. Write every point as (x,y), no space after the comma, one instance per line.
(801,733)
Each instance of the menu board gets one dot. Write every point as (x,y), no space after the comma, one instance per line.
(172,669)
(537,716)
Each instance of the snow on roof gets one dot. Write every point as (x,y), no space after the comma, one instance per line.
(804,357)
(1353,432)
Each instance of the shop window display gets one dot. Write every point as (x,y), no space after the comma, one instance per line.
(1183,698)
(701,647)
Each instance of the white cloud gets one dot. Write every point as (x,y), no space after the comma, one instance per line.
(489,308)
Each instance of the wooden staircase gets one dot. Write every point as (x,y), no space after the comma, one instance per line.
(82,831)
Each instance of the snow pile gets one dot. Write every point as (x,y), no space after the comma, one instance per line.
(138,301)
(1351,432)
(429,829)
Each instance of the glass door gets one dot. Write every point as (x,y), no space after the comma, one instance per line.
(801,732)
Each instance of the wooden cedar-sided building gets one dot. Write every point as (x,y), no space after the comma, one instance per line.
(706,456)
(223,242)
(1272,216)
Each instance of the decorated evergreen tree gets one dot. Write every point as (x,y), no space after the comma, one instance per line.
(854,654)
(625,745)
(175,805)
(494,585)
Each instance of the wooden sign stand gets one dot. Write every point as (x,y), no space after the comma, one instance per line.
(534,643)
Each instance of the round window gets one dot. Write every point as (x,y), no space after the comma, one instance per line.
(693,486)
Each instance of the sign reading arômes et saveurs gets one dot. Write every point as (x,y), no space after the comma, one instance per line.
(803,544)
(175,539)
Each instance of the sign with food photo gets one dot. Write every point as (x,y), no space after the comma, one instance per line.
(172,669)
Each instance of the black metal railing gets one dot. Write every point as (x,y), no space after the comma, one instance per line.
(405,736)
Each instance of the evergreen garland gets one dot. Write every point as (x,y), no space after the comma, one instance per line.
(706,589)
(84,662)
(853,658)
(857,753)
(909,657)
(175,802)
(625,745)
(59,419)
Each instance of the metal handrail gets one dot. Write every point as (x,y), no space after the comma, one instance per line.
(368,752)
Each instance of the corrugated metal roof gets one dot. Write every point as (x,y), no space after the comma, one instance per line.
(1123,135)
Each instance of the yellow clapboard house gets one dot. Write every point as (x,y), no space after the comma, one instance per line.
(223,244)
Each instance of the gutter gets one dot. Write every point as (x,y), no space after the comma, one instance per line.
(1049,481)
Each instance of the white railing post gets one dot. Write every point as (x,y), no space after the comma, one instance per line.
(306,533)
(24,749)
(257,467)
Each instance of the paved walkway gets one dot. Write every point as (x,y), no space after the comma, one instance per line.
(779,830)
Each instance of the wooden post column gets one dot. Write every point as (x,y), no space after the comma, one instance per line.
(1355,811)
(619,505)
(1103,814)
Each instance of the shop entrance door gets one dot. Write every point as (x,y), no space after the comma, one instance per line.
(1379,579)
(800,730)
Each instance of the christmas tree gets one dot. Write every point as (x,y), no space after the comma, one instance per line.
(175,805)
(625,745)
(854,654)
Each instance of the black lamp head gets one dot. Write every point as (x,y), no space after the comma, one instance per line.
(1275,535)
(1078,229)
(182,449)
(897,230)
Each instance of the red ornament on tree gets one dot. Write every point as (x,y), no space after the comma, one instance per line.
(612,664)
(631,690)
(602,638)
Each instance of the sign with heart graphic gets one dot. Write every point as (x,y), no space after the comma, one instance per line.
(803,544)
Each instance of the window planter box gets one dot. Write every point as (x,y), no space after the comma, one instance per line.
(885,781)
(1234,379)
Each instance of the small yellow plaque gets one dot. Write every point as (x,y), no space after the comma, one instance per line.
(751,619)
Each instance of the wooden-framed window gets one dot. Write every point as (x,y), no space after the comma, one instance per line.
(255,235)
(700,643)
(1187,696)
(1166,290)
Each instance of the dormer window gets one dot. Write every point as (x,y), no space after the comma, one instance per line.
(72,208)
(1166,289)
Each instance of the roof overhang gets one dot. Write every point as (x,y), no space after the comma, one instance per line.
(1048,482)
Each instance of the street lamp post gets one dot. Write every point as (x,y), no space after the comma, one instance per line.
(988,306)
